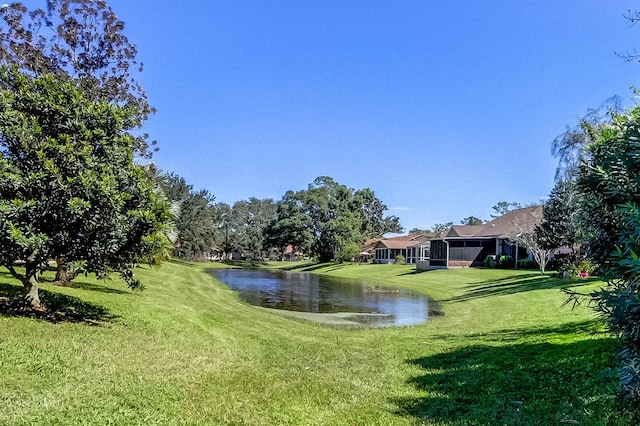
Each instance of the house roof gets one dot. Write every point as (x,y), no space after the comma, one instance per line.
(401,242)
(508,225)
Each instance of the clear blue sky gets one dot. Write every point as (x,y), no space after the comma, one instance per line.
(443,108)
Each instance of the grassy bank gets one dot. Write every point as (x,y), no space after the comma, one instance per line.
(186,351)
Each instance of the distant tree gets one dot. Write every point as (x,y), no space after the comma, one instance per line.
(439,229)
(414,231)
(291,226)
(472,220)
(374,222)
(349,252)
(225,231)
(251,219)
(504,207)
(334,215)
(196,225)
(559,227)
(68,186)
(174,187)
(195,217)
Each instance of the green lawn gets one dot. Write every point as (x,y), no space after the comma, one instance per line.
(186,351)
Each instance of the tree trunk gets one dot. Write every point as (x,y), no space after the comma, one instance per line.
(63,276)
(30,283)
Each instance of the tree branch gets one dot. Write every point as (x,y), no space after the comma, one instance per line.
(14,273)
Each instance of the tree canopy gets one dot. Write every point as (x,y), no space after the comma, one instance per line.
(330,218)
(82,40)
(69,185)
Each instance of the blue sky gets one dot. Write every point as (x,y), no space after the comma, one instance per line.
(442,108)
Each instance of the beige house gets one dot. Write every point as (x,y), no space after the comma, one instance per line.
(387,249)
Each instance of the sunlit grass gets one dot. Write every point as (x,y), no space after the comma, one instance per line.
(187,351)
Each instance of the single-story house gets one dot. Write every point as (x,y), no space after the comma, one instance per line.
(386,249)
(464,245)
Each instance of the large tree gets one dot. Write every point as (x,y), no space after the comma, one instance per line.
(251,218)
(608,179)
(196,224)
(82,40)
(559,227)
(69,187)
(372,211)
(335,216)
(571,146)
(609,218)
(292,226)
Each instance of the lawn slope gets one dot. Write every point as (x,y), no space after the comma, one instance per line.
(187,351)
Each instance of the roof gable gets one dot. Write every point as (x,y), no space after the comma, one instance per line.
(506,226)
(401,242)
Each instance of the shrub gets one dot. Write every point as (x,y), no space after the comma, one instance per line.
(490,261)
(506,262)
(578,268)
(400,259)
(527,264)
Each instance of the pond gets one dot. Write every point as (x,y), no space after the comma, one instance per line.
(327,299)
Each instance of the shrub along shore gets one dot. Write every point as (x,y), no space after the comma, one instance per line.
(187,351)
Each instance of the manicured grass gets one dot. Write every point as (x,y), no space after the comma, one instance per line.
(187,351)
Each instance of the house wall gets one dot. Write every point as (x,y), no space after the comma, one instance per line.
(438,254)
(469,252)
(386,255)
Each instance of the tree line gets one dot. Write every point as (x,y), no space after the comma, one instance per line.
(327,221)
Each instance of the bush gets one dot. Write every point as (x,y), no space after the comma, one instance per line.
(528,264)
(506,262)
(578,268)
(400,259)
(490,261)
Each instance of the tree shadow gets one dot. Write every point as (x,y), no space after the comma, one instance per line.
(97,288)
(593,327)
(517,284)
(307,266)
(56,307)
(418,271)
(516,384)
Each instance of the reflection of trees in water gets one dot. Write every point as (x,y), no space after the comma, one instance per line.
(304,292)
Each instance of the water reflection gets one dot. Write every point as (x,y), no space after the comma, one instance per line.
(344,301)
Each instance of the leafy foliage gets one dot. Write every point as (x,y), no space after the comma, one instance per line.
(608,180)
(69,186)
(82,40)
(559,227)
(571,147)
(619,306)
(329,217)
(610,192)
(250,220)
(472,221)
(504,207)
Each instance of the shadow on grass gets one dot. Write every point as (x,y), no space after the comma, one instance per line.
(183,262)
(517,284)
(307,266)
(56,307)
(518,384)
(96,287)
(418,271)
(593,327)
